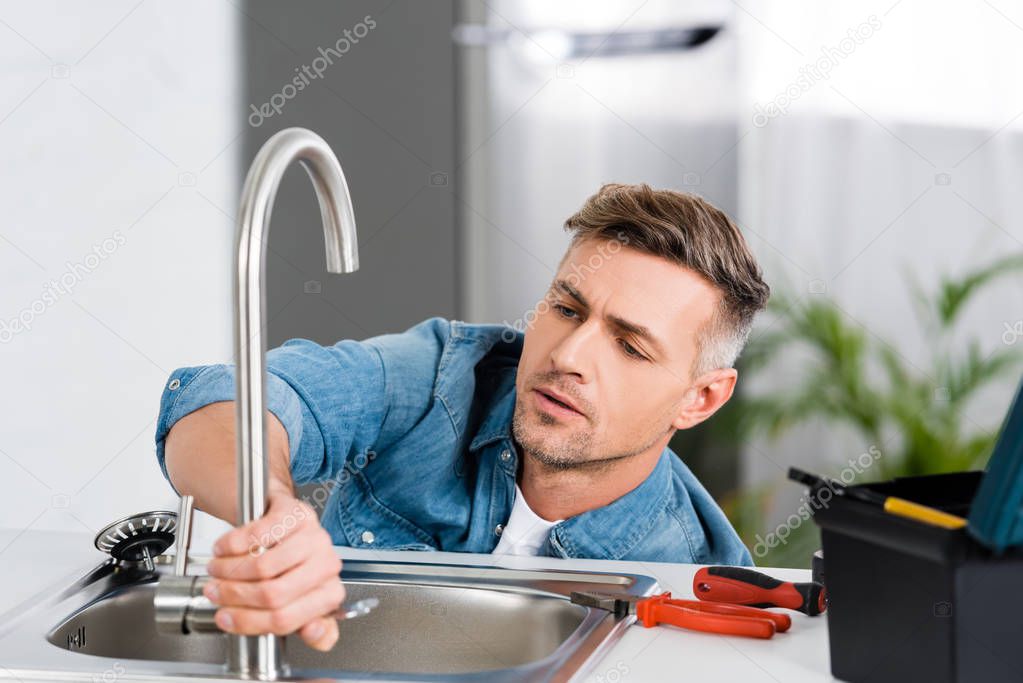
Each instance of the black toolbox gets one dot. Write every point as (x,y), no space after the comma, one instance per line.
(909,601)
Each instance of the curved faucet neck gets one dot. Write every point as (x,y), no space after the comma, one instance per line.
(264,654)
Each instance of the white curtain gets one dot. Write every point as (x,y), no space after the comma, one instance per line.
(880,138)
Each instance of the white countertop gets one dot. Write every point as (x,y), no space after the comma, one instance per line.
(32,560)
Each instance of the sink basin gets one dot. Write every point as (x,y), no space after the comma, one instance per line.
(434,622)
(427,629)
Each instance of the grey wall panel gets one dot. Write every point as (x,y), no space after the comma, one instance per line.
(386,107)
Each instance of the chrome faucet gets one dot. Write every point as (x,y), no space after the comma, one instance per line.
(180,606)
(263,655)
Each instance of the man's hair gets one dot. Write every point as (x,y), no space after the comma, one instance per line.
(688,231)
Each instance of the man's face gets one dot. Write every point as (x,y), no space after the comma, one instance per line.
(615,337)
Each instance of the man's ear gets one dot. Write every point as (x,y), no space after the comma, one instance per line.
(709,392)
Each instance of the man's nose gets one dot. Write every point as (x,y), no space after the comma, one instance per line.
(574,354)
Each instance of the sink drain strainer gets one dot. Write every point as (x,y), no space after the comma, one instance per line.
(140,537)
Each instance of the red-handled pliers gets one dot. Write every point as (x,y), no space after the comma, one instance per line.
(736,620)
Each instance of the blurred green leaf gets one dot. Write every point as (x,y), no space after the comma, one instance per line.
(954,294)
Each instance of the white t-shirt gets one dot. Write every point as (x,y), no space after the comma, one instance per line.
(524,532)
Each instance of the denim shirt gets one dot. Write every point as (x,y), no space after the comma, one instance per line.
(414,431)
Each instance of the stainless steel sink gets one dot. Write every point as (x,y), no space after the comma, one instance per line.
(434,622)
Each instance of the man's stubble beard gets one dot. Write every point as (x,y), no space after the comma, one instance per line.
(573,454)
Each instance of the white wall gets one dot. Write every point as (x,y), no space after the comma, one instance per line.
(117,124)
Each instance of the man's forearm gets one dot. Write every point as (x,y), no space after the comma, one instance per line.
(200,459)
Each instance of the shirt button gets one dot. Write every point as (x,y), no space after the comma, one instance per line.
(367,536)
(498,529)
(174,384)
(505,455)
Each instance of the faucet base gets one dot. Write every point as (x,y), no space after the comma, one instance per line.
(257,657)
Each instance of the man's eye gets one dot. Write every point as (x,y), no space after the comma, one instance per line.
(564,311)
(630,350)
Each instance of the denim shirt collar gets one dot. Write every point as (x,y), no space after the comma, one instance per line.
(611,531)
(606,532)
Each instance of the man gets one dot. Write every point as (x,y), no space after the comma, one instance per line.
(479,438)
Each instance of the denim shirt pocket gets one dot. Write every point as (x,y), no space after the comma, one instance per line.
(369,523)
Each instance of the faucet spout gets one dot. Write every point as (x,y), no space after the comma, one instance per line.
(263,655)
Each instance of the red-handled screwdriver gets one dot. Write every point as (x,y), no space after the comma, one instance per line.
(741,586)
